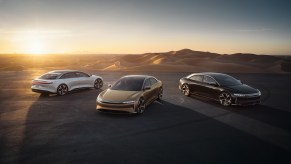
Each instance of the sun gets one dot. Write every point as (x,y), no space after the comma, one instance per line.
(32,42)
(36,47)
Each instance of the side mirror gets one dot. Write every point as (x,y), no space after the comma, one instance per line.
(147,88)
(212,83)
(109,85)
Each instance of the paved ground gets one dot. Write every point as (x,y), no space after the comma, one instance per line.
(67,129)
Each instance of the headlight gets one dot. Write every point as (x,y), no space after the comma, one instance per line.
(128,102)
(259,92)
(239,95)
(99,99)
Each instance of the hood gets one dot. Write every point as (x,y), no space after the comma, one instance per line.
(119,96)
(244,89)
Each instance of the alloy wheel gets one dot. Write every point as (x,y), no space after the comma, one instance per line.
(140,106)
(62,89)
(186,90)
(225,99)
(160,95)
(98,83)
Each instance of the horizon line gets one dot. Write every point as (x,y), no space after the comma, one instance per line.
(98,53)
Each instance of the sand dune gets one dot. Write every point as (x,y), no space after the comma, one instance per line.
(13,68)
(185,60)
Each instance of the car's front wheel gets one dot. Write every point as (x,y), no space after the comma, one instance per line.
(186,90)
(160,94)
(225,99)
(140,106)
(98,83)
(62,89)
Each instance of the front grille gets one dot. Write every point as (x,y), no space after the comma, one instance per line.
(110,105)
(114,111)
(247,100)
(110,102)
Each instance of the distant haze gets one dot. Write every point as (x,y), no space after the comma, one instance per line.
(140,26)
(184,60)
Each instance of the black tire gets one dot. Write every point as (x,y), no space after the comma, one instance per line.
(62,89)
(160,94)
(98,83)
(140,106)
(186,89)
(225,99)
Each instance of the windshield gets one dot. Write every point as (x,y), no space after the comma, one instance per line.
(49,76)
(226,80)
(129,84)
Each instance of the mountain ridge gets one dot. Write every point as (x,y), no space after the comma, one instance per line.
(184,60)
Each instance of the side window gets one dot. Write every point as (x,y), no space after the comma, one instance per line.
(81,74)
(153,81)
(197,78)
(147,83)
(208,80)
(68,75)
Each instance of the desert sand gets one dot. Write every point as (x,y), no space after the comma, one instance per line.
(185,60)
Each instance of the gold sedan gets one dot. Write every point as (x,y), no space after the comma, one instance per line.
(130,94)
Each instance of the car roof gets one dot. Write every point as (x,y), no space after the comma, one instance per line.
(139,76)
(142,76)
(63,71)
(212,74)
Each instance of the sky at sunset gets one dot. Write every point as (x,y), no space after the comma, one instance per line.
(140,26)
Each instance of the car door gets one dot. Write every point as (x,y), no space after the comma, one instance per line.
(195,84)
(84,80)
(70,79)
(148,93)
(155,87)
(210,88)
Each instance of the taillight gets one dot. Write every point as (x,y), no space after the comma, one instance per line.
(41,82)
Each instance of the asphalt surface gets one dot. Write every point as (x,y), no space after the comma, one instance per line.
(179,129)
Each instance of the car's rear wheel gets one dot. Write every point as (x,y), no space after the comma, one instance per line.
(98,83)
(160,94)
(225,99)
(140,106)
(186,90)
(62,89)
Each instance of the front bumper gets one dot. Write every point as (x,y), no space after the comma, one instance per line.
(180,85)
(115,107)
(247,100)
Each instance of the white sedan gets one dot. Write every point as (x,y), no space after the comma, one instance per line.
(63,81)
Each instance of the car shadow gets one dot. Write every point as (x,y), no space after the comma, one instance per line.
(70,130)
(261,112)
(75,91)
(72,95)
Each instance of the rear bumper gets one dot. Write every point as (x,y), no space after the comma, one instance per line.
(115,107)
(42,89)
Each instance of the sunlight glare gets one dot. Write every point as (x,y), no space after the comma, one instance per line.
(36,47)
(31,42)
